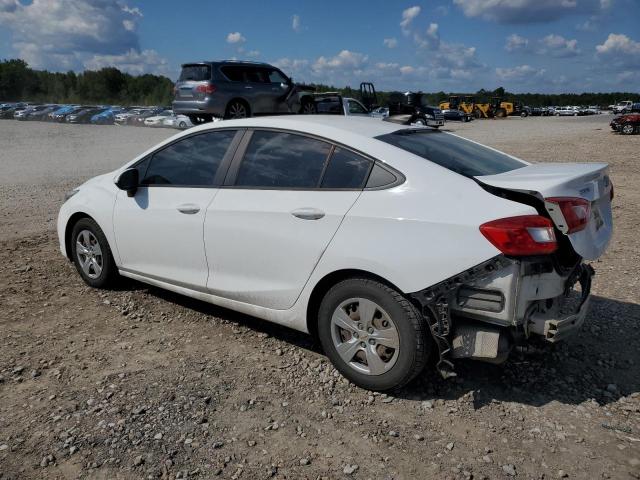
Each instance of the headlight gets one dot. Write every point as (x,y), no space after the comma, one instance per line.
(70,194)
(429,115)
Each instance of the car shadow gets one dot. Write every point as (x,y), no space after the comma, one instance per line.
(598,364)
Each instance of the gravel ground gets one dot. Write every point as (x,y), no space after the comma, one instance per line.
(141,383)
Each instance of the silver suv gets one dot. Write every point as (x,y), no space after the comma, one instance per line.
(232,89)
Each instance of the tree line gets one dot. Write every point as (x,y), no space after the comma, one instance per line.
(19,82)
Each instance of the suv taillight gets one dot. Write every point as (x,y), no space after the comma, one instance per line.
(208,89)
(523,235)
(575,211)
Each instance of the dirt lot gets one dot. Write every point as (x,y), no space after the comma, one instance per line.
(140,383)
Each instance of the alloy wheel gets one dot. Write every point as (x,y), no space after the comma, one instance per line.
(627,129)
(237,110)
(364,336)
(89,254)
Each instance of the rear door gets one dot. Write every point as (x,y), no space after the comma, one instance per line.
(266,230)
(588,181)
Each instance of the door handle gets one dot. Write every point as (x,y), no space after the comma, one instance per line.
(248,87)
(188,209)
(308,213)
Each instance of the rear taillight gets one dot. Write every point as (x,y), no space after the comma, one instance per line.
(524,235)
(208,89)
(575,211)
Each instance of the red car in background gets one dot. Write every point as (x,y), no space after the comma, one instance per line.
(626,124)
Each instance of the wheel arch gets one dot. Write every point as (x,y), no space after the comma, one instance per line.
(68,229)
(325,284)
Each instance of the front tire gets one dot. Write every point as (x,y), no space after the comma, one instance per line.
(372,334)
(91,254)
(628,129)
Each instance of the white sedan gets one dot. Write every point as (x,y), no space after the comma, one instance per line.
(158,120)
(387,243)
(177,121)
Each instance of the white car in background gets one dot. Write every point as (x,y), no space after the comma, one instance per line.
(158,120)
(388,243)
(566,111)
(178,121)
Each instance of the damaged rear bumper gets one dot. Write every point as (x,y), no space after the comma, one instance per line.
(483,312)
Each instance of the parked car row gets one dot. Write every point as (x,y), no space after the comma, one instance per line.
(95,114)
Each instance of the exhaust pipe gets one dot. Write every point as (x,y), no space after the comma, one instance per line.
(480,342)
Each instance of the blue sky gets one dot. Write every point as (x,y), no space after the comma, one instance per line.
(460,45)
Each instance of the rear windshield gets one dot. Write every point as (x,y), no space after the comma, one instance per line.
(195,73)
(451,152)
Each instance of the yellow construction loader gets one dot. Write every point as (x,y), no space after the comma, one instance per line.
(455,103)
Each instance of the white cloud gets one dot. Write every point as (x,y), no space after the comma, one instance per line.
(516,43)
(253,53)
(529,11)
(619,43)
(407,70)
(407,17)
(68,34)
(344,59)
(133,62)
(551,45)
(558,46)
(387,66)
(235,37)
(619,51)
(431,38)
(390,42)
(296,23)
(521,72)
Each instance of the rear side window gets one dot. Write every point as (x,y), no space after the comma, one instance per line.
(197,73)
(192,161)
(234,73)
(451,152)
(346,170)
(282,160)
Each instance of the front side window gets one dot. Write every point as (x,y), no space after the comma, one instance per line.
(282,160)
(355,107)
(192,161)
(454,153)
(276,77)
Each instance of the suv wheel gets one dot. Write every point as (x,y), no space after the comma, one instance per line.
(308,108)
(237,109)
(91,254)
(628,129)
(372,334)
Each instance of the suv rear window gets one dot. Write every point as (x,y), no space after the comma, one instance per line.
(451,152)
(196,73)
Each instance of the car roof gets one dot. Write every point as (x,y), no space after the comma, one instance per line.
(330,126)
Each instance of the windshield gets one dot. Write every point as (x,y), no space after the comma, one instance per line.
(451,152)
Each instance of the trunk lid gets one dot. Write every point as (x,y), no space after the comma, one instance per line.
(589,181)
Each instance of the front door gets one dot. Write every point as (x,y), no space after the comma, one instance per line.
(159,231)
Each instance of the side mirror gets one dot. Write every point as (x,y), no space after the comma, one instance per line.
(129,181)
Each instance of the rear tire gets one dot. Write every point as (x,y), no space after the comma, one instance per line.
(91,254)
(237,109)
(372,334)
